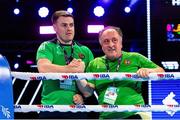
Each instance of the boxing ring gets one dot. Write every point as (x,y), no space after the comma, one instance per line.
(7,107)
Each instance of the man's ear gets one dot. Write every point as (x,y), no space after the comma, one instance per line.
(55,28)
(100,42)
(121,44)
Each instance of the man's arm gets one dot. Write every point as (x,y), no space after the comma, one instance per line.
(44,66)
(144,72)
(85,87)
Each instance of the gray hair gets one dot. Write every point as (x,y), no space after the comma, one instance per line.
(119,31)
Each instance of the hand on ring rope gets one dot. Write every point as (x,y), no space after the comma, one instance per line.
(144,72)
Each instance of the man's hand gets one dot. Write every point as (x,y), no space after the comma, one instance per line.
(144,72)
(77,64)
(77,98)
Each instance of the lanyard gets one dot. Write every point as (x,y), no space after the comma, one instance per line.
(117,67)
(67,58)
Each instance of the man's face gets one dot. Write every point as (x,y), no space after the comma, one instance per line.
(64,28)
(111,43)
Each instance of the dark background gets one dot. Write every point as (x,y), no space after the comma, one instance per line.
(19,34)
(163,13)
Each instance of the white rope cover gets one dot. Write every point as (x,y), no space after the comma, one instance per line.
(97,108)
(97,76)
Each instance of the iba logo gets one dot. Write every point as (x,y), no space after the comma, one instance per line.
(77,106)
(70,77)
(45,106)
(132,76)
(104,106)
(109,106)
(165,75)
(101,76)
(17,107)
(142,106)
(38,78)
(64,76)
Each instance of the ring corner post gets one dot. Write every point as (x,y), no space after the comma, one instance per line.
(6,90)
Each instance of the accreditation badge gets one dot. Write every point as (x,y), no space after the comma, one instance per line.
(66,84)
(111,95)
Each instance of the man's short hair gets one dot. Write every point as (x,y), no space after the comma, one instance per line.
(60,13)
(119,31)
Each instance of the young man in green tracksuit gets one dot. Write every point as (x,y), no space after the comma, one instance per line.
(62,55)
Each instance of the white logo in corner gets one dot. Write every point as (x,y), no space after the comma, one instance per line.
(169,100)
(5,111)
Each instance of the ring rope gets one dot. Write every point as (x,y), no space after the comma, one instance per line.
(97,76)
(97,108)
